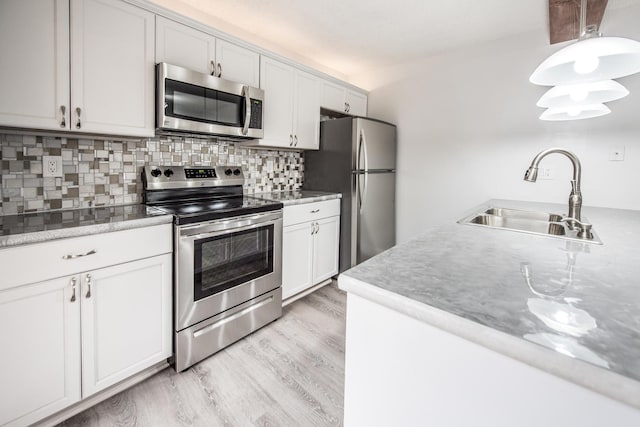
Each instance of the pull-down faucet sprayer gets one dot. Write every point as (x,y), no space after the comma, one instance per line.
(574,218)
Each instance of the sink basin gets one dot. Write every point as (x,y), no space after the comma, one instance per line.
(540,223)
(525,215)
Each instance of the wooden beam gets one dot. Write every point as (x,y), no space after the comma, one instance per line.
(564,18)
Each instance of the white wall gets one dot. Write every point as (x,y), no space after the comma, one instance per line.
(468,128)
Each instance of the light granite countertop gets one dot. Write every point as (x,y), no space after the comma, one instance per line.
(297,197)
(50,225)
(569,308)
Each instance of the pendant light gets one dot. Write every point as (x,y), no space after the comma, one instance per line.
(577,112)
(582,94)
(592,58)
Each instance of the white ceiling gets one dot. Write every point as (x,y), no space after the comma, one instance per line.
(353,36)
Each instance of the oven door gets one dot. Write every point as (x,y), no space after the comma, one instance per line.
(224,263)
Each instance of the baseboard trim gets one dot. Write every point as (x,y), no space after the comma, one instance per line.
(87,403)
(305,292)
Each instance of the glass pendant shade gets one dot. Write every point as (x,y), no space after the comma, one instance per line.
(566,96)
(589,60)
(575,112)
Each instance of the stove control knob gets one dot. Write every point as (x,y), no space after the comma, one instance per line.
(155,173)
(236,172)
(168,172)
(228,172)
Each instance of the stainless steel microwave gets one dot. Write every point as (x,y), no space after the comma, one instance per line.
(188,101)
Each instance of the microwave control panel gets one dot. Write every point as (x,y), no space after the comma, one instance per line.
(256,114)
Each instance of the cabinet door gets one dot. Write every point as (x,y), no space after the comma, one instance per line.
(356,103)
(307,111)
(184,46)
(40,354)
(126,320)
(297,254)
(325,249)
(34,58)
(276,79)
(333,97)
(112,68)
(237,63)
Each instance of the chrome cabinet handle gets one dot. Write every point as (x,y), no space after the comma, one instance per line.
(78,123)
(317,228)
(315,211)
(73,289)
(219,69)
(213,68)
(345,107)
(63,121)
(74,256)
(348,107)
(290,140)
(88,279)
(295,138)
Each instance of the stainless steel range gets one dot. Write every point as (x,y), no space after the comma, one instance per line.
(227,256)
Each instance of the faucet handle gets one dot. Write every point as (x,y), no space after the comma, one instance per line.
(584,228)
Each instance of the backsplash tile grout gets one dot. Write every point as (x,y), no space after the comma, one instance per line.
(107,172)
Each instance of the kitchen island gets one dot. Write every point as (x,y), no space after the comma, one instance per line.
(467,325)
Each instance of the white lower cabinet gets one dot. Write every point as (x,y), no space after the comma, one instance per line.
(40,355)
(310,245)
(126,321)
(68,338)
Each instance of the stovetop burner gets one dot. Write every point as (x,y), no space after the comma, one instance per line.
(224,207)
(199,194)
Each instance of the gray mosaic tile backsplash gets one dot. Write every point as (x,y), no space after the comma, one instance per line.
(107,172)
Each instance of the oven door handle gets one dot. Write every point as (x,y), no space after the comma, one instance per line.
(230,226)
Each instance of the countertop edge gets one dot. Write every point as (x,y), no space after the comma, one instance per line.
(320,196)
(83,230)
(607,383)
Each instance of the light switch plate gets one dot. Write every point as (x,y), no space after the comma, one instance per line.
(51,166)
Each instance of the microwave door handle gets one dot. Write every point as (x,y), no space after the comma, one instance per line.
(247,114)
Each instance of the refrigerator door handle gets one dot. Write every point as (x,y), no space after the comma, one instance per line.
(362,189)
(364,149)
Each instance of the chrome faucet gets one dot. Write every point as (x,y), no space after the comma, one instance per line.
(573,218)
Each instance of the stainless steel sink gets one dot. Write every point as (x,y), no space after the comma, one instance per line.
(540,223)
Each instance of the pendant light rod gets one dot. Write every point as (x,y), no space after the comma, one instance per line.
(583,16)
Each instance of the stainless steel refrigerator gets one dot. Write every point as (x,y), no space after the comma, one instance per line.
(357,157)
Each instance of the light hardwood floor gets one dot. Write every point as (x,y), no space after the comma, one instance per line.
(289,373)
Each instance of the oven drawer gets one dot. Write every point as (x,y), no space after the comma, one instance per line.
(201,340)
(297,214)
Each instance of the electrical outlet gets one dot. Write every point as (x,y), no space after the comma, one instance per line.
(51,166)
(545,173)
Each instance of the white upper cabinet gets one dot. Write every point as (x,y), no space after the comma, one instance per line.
(339,98)
(307,111)
(109,87)
(237,64)
(276,79)
(34,58)
(187,47)
(291,106)
(184,46)
(112,69)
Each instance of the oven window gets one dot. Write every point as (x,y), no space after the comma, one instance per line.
(191,102)
(223,262)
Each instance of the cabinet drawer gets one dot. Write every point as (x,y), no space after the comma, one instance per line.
(22,265)
(296,214)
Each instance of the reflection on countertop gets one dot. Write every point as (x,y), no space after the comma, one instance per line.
(49,225)
(579,300)
(297,197)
